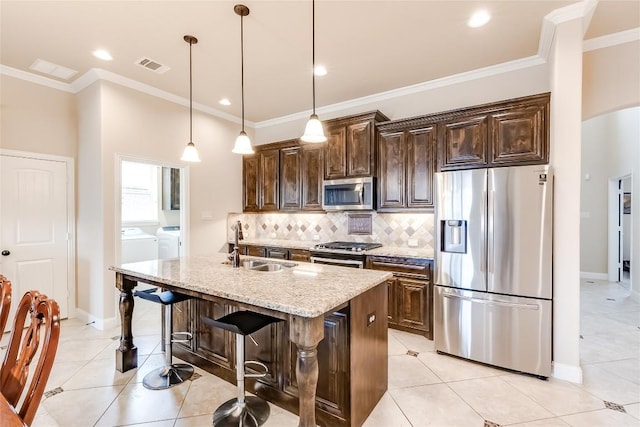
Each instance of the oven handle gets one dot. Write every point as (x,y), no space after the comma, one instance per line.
(360,264)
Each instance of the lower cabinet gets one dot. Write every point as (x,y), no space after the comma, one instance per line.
(301,255)
(410,293)
(347,356)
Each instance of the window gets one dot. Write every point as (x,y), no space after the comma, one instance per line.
(139,192)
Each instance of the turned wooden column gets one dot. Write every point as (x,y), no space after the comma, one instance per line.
(306,333)
(127,353)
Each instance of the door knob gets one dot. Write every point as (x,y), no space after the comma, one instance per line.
(6,253)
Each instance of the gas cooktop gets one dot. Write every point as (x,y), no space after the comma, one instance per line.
(347,246)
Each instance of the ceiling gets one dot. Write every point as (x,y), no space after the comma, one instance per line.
(368,47)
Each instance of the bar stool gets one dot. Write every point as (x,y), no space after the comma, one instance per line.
(171,373)
(246,411)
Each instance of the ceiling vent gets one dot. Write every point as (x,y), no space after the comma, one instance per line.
(152,65)
(55,70)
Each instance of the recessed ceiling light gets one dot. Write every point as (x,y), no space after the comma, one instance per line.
(102,54)
(478,19)
(224,101)
(320,70)
(46,67)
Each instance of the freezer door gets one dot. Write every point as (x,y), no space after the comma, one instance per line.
(519,231)
(510,332)
(460,229)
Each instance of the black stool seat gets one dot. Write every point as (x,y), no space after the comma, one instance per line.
(171,373)
(244,411)
(164,298)
(241,322)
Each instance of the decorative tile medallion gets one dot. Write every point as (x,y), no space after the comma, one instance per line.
(614,406)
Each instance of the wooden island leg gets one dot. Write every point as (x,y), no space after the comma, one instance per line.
(306,333)
(127,353)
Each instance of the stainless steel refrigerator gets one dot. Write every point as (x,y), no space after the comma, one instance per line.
(493,277)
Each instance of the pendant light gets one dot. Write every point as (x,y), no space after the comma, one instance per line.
(243,143)
(190,154)
(313,132)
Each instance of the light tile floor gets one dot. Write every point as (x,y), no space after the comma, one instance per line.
(428,389)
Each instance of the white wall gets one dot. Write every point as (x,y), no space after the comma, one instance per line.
(140,126)
(610,149)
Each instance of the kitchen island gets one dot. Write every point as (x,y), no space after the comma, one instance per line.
(349,306)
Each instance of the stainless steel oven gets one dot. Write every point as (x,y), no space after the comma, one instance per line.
(345,254)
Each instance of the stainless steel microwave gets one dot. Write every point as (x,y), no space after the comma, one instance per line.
(348,194)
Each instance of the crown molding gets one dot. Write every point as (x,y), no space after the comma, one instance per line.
(609,40)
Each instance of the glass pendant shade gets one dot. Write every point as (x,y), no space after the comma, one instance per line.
(314,132)
(242,145)
(190,154)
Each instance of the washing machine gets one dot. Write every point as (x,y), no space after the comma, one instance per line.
(168,241)
(136,245)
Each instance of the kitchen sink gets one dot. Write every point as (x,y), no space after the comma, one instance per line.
(260,265)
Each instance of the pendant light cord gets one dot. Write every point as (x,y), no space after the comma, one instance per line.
(313,52)
(242,65)
(190,94)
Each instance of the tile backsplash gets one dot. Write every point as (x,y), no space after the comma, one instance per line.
(390,229)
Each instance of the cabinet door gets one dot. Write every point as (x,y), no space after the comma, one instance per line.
(299,255)
(269,179)
(421,145)
(464,143)
(335,155)
(519,136)
(391,173)
(215,343)
(267,351)
(392,317)
(332,392)
(278,253)
(359,149)
(412,305)
(250,183)
(182,320)
(255,251)
(312,175)
(290,174)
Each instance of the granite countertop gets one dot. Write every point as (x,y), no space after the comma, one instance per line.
(307,290)
(393,251)
(280,243)
(404,252)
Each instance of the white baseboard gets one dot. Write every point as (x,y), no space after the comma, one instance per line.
(566,372)
(98,323)
(594,276)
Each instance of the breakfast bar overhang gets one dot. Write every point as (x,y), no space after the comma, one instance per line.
(303,295)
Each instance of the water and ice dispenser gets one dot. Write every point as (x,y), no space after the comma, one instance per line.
(454,236)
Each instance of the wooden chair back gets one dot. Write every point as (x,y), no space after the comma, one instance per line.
(36,324)
(5,302)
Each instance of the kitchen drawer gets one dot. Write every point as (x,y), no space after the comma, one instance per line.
(410,267)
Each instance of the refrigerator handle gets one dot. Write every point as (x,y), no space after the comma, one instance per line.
(484,225)
(490,235)
(493,302)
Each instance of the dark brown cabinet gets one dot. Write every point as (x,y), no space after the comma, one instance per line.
(350,149)
(302,255)
(406,164)
(506,133)
(410,293)
(260,181)
(301,178)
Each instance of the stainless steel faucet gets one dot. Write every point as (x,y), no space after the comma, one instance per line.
(234,256)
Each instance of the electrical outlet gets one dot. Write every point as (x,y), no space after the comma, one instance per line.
(316,237)
(412,243)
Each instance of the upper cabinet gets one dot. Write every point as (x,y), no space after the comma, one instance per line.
(350,149)
(260,181)
(301,178)
(512,132)
(406,164)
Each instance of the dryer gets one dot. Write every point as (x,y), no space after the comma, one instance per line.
(168,241)
(136,245)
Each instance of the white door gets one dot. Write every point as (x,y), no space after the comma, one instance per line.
(34,228)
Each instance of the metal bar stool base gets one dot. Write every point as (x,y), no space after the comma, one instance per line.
(167,376)
(253,413)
